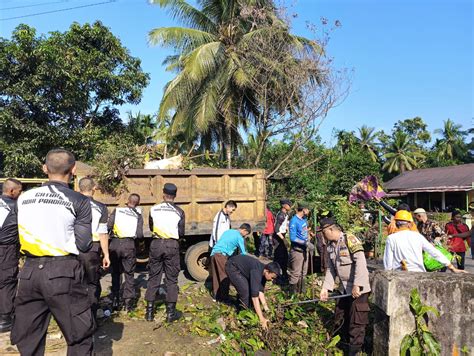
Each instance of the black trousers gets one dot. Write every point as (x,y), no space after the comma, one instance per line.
(9,256)
(461,262)
(240,283)
(123,259)
(91,263)
(164,257)
(350,320)
(46,286)
(280,254)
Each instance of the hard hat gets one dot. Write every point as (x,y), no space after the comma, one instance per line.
(403,215)
(420,211)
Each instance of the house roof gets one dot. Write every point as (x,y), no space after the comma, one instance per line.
(440,179)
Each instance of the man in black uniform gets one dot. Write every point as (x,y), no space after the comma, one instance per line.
(248,275)
(167,221)
(100,243)
(280,242)
(54,225)
(126,225)
(9,250)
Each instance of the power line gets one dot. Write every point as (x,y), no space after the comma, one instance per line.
(60,10)
(41,4)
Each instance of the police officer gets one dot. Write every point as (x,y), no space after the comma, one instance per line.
(347,261)
(100,243)
(54,226)
(9,250)
(126,225)
(167,222)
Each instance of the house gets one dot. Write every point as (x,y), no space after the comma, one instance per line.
(435,189)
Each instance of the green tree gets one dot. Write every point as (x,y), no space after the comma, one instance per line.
(346,141)
(415,128)
(451,145)
(211,95)
(62,90)
(401,154)
(367,138)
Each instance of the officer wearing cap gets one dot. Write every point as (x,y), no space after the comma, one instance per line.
(280,243)
(347,261)
(167,222)
(126,225)
(9,250)
(54,225)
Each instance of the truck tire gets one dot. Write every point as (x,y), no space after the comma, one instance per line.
(196,260)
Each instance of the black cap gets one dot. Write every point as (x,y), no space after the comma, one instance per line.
(273,267)
(285,201)
(303,205)
(170,189)
(326,222)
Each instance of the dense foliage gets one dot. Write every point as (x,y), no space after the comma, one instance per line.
(62,90)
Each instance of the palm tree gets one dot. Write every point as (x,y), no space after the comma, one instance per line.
(367,139)
(402,154)
(452,144)
(211,89)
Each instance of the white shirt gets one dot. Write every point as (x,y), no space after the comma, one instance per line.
(409,246)
(220,225)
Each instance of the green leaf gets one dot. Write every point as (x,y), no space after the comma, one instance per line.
(425,309)
(415,301)
(432,344)
(407,342)
(333,342)
(415,351)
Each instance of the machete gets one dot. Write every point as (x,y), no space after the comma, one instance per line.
(317,300)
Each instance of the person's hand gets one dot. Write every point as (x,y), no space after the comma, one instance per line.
(324,295)
(455,270)
(264,323)
(356,292)
(106,262)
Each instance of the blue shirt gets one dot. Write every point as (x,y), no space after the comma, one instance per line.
(299,230)
(228,243)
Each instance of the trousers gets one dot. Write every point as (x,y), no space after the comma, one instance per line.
(52,286)
(298,265)
(9,256)
(220,280)
(123,260)
(266,245)
(351,318)
(241,284)
(280,254)
(164,257)
(91,262)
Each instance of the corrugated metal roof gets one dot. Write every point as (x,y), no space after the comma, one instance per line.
(452,178)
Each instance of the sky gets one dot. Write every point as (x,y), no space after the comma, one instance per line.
(407,57)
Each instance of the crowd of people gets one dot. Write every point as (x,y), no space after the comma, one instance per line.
(69,240)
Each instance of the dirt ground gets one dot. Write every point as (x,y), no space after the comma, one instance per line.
(130,334)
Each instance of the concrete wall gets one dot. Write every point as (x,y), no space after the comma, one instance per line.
(452,294)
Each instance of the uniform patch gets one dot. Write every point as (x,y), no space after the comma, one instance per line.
(354,244)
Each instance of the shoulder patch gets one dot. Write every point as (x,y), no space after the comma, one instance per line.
(354,244)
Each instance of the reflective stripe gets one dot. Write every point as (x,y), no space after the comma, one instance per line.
(37,247)
(158,233)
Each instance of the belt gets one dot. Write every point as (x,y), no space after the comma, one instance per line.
(296,248)
(51,258)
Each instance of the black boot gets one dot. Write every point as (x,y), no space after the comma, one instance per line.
(171,313)
(116,303)
(353,350)
(129,305)
(150,311)
(292,290)
(5,323)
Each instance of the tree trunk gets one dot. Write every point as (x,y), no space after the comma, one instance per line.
(228,143)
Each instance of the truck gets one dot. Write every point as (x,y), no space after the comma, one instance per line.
(202,192)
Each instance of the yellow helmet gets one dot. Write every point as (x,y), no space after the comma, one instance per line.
(403,215)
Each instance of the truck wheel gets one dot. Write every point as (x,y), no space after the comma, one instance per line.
(196,260)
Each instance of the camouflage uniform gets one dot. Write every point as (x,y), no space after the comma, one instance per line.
(431,230)
(347,262)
